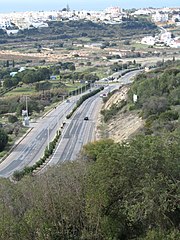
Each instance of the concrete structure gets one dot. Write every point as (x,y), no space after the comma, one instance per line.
(148,40)
(160,17)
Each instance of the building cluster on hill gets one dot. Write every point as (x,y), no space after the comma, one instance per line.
(161,15)
(13,22)
(163,39)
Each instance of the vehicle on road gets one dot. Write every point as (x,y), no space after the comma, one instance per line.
(103,95)
(63,124)
(86,118)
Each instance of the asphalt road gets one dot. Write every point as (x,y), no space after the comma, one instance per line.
(32,147)
(76,133)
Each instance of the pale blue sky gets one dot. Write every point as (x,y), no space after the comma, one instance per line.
(27,5)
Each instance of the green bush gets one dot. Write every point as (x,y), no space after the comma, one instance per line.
(150,120)
(169,115)
(3,139)
(114,109)
(82,99)
(28,170)
(12,119)
(18,175)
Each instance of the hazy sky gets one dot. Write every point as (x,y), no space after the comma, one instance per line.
(27,5)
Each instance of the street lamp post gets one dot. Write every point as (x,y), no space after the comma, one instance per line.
(26,106)
(48,137)
(25,114)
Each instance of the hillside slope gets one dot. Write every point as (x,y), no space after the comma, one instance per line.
(123,124)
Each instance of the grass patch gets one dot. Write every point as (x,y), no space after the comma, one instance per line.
(139,46)
(21,91)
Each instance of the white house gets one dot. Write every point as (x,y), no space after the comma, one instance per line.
(148,40)
(166,37)
(12,31)
(12,74)
(175,17)
(175,44)
(160,17)
(22,69)
(142,12)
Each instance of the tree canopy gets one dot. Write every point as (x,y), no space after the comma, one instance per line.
(3,139)
(114,191)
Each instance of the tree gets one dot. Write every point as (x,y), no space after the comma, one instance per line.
(42,86)
(88,63)
(72,68)
(7,63)
(126,42)
(154,105)
(29,77)
(133,187)
(3,139)
(12,119)
(8,83)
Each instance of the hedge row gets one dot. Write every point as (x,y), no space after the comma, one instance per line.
(82,99)
(18,175)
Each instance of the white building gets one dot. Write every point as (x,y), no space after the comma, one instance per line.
(160,17)
(176,17)
(166,37)
(148,40)
(113,10)
(175,44)
(12,31)
(142,12)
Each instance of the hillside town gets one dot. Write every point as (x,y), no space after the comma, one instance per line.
(165,39)
(165,17)
(15,21)
(12,23)
(89,120)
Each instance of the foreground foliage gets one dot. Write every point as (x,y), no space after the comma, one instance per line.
(120,191)
(158,95)
(3,139)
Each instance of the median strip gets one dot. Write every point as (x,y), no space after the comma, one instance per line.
(29,170)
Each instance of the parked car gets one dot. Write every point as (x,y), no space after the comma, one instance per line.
(86,118)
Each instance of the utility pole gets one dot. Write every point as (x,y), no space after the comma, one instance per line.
(25,114)
(26,107)
(48,136)
(81,88)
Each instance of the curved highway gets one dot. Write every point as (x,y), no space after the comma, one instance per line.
(76,133)
(32,147)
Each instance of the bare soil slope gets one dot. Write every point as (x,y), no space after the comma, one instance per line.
(124,124)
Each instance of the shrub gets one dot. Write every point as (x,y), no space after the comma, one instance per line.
(82,99)
(114,109)
(169,115)
(3,139)
(154,105)
(12,119)
(18,175)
